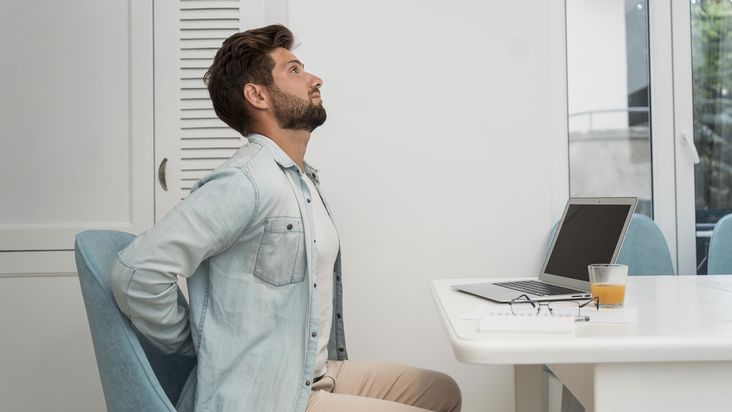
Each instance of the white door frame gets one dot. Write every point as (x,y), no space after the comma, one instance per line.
(671,123)
(663,146)
(684,129)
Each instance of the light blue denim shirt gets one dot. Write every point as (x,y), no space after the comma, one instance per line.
(244,239)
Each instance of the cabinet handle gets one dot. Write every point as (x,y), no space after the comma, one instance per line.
(161,174)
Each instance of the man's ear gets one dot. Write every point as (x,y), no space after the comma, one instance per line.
(256,96)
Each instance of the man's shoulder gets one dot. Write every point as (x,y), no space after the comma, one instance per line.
(251,160)
(243,157)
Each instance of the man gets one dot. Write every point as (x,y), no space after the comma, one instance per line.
(262,258)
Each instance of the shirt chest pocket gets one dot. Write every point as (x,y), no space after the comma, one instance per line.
(281,254)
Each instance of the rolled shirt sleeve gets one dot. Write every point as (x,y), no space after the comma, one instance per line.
(144,275)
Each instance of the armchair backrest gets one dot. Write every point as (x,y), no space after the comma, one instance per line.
(135,375)
(720,248)
(644,249)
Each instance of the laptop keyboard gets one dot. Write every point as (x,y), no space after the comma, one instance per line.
(538,288)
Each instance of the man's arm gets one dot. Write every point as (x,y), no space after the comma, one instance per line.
(144,275)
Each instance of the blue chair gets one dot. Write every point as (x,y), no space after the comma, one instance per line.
(720,248)
(645,252)
(135,375)
(644,249)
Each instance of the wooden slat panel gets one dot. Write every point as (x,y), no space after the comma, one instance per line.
(196,83)
(209,133)
(207,34)
(205,4)
(195,14)
(201,123)
(194,175)
(208,13)
(200,164)
(199,43)
(195,73)
(205,141)
(196,104)
(198,54)
(195,63)
(209,24)
(198,93)
(224,143)
(209,153)
(191,114)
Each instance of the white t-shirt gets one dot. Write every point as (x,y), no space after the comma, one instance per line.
(326,252)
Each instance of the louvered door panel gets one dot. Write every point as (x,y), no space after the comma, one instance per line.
(205,141)
(189,139)
(189,135)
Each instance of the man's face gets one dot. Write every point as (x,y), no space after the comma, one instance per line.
(295,93)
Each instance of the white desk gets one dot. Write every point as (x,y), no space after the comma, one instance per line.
(678,357)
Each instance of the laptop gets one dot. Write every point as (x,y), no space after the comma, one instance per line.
(591,231)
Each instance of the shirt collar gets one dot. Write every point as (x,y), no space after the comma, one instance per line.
(280,156)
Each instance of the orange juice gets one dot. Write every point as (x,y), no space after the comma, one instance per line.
(609,295)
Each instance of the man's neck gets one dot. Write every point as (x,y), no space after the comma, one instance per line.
(293,142)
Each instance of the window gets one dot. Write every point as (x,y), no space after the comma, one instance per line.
(608,100)
(711,54)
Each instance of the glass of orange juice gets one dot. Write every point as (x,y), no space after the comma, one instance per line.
(607,283)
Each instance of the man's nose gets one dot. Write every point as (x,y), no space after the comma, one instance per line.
(316,81)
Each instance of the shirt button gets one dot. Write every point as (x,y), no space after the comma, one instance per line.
(338,315)
(341,349)
(307,383)
(308,200)
(314,334)
(289,227)
(338,278)
(315,285)
(315,241)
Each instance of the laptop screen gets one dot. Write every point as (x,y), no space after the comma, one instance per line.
(589,234)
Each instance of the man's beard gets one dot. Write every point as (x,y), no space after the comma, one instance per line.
(295,113)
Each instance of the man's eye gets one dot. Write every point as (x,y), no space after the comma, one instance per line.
(294,69)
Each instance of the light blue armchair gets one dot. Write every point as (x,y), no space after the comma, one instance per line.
(135,375)
(720,248)
(644,249)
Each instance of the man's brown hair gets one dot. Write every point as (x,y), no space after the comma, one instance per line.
(243,58)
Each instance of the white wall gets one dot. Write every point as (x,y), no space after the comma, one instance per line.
(438,161)
(436,158)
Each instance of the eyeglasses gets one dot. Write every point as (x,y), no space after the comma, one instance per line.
(555,308)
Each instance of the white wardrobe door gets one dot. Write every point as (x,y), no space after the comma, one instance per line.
(77,121)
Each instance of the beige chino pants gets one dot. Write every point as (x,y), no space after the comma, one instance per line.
(380,387)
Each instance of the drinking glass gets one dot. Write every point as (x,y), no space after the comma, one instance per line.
(607,283)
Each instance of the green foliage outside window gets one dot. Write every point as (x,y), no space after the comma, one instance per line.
(711,22)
